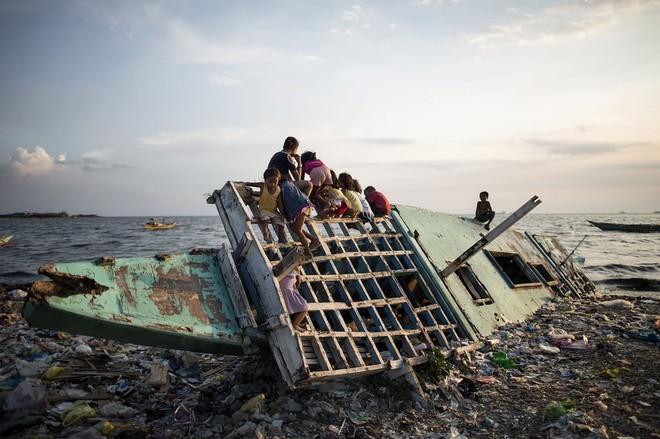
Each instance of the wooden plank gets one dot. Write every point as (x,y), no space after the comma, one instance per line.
(235,289)
(292,260)
(490,237)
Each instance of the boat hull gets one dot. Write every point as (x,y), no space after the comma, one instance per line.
(172,301)
(629,228)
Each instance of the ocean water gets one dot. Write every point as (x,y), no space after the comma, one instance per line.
(613,260)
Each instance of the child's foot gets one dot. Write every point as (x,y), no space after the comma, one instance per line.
(487,227)
(314,245)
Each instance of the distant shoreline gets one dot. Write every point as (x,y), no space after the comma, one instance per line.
(30,215)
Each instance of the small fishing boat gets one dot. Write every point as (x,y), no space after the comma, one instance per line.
(156,224)
(5,240)
(631,228)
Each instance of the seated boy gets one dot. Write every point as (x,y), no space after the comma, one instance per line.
(378,202)
(484,213)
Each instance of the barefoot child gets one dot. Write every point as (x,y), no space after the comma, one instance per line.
(297,208)
(268,209)
(295,303)
(484,213)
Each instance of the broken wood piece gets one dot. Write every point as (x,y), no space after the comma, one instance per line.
(290,261)
(159,375)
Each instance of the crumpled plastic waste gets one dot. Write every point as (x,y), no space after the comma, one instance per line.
(559,409)
(548,349)
(254,404)
(75,412)
(502,360)
(53,371)
(617,303)
(27,394)
(117,410)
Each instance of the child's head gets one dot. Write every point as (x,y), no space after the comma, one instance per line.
(271,179)
(290,145)
(308,156)
(483,196)
(357,186)
(346,181)
(368,190)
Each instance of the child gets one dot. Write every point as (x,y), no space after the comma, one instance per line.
(378,202)
(336,202)
(347,186)
(367,214)
(270,192)
(484,212)
(296,208)
(319,174)
(295,303)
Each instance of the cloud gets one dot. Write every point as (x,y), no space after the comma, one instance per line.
(564,147)
(353,13)
(224,81)
(309,59)
(566,22)
(38,163)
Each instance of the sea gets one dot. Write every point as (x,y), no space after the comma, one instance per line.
(614,261)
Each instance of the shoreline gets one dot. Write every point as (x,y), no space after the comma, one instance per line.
(603,383)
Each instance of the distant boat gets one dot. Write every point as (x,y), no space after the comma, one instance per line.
(5,240)
(632,228)
(156,224)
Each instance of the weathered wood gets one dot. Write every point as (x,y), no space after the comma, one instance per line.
(293,259)
(235,289)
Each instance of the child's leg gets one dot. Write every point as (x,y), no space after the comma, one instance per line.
(305,186)
(297,318)
(281,234)
(264,229)
(298,228)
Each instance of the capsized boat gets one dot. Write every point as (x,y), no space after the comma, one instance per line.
(382,296)
(631,228)
(156,224)
(5,240)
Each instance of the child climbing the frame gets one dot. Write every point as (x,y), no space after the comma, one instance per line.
(295,303)
(347,186)
(268,207)
(297,208)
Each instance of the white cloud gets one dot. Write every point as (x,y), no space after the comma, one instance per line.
(224,81)
(353,13)
(309,59)
(566,22)
(23,163)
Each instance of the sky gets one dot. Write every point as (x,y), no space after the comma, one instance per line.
(121,108)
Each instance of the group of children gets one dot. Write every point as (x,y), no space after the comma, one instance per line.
(287,197)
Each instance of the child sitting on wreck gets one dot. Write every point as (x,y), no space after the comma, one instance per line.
(367,215)
(378,201)
(484,212)
(336,202)
(268,208)
(295,303)
(347,186)
(297,208)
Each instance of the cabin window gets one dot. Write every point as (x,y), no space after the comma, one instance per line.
(473,285)
(544,274)
(514,269)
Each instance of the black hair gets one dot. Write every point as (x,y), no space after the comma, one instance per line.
(272,172)
(308,156)
(347,181)
(290,143)
(484,193)
(369,189)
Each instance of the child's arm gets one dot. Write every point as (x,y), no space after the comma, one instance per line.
(280,205)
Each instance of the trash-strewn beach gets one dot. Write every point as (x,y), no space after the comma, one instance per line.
(585,368)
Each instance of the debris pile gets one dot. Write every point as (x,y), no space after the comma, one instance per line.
(580,368)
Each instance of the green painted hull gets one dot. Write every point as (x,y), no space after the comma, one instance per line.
(178,301)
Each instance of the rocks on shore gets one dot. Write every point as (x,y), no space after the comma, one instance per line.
(579,368)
